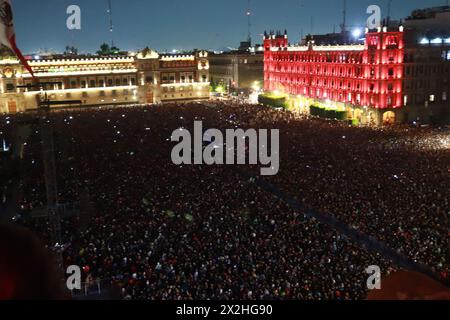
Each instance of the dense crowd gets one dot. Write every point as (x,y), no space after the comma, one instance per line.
(161,231)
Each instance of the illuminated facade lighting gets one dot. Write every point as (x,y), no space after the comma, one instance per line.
(144,77)
(357,33)
(83,90)
(355,75)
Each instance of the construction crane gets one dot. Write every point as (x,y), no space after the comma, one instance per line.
(389,10)
(344,20)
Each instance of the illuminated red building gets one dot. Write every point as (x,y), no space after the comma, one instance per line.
(364,79)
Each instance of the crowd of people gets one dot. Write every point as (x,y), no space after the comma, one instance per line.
(156,230)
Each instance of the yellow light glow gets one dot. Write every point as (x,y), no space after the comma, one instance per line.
(196,84)
(80,73)
(178,58)
(84,90)
(38,63)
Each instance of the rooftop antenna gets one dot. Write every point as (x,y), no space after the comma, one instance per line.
(301,4)
(389,11)
(344,22)
(111,25)
(249,21)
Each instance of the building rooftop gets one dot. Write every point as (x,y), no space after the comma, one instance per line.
(335,38)
(427,13)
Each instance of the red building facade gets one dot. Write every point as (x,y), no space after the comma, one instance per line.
(360,78)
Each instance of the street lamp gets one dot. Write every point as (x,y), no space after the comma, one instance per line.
(256,86)
(356,33)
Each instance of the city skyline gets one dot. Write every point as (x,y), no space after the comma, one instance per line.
(201,24)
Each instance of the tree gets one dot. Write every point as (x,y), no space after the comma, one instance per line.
(114,50)
(71,50)
(106,50)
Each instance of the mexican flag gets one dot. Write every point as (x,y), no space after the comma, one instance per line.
(7,34)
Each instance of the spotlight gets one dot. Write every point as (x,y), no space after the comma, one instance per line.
(357,33)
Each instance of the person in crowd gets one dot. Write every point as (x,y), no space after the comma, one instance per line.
(156,230)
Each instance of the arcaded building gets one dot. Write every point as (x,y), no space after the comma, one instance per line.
(143,78)
(365,80)
(400,73)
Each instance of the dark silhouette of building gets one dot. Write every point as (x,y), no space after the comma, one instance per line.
(239,70)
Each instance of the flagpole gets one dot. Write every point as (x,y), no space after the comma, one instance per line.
(8,35)
(21,57)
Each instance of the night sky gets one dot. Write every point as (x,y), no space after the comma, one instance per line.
(184,24)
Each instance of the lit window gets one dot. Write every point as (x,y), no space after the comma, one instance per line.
(10,87)
(444,96)
(432,98)
(436,41)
